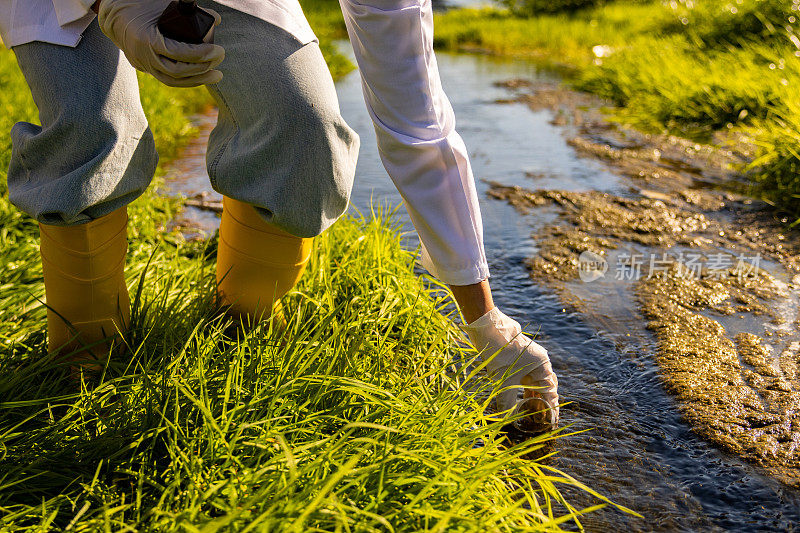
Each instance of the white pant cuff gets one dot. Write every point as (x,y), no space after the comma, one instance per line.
(465,276)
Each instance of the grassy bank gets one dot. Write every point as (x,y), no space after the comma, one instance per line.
(347,423)
(712,71)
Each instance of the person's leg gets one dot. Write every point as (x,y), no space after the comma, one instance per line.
(92,155)
(281,155)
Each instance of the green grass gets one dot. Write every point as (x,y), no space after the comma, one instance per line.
(352,424)
(325,17)
(704,70)
(353,421)
(561,40)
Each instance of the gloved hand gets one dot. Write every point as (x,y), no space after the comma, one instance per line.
(522,362)
(131,25)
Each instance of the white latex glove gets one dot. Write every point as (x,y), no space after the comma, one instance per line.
(523,362)
(131,25)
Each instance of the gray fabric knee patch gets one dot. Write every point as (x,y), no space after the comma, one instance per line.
(94,152)
(280,143)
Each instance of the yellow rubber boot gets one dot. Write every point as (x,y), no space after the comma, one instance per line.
(257,263)
(85,284)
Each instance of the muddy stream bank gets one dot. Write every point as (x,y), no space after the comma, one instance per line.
(674,334)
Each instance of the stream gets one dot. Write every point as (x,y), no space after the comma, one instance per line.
(637,449)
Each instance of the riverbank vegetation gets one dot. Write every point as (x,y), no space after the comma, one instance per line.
(352,420)
(714,70)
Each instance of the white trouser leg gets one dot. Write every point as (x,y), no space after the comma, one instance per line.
(415,127)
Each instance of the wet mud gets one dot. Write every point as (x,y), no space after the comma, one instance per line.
(712,273)
(733,389)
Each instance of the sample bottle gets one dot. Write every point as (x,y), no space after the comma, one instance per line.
(185,21)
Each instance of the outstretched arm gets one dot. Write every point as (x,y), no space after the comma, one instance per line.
(428,163)
(415,127)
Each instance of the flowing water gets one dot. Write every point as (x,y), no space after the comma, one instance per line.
(636,450)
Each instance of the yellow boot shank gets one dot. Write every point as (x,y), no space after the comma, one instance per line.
(84,282)
(257,263)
